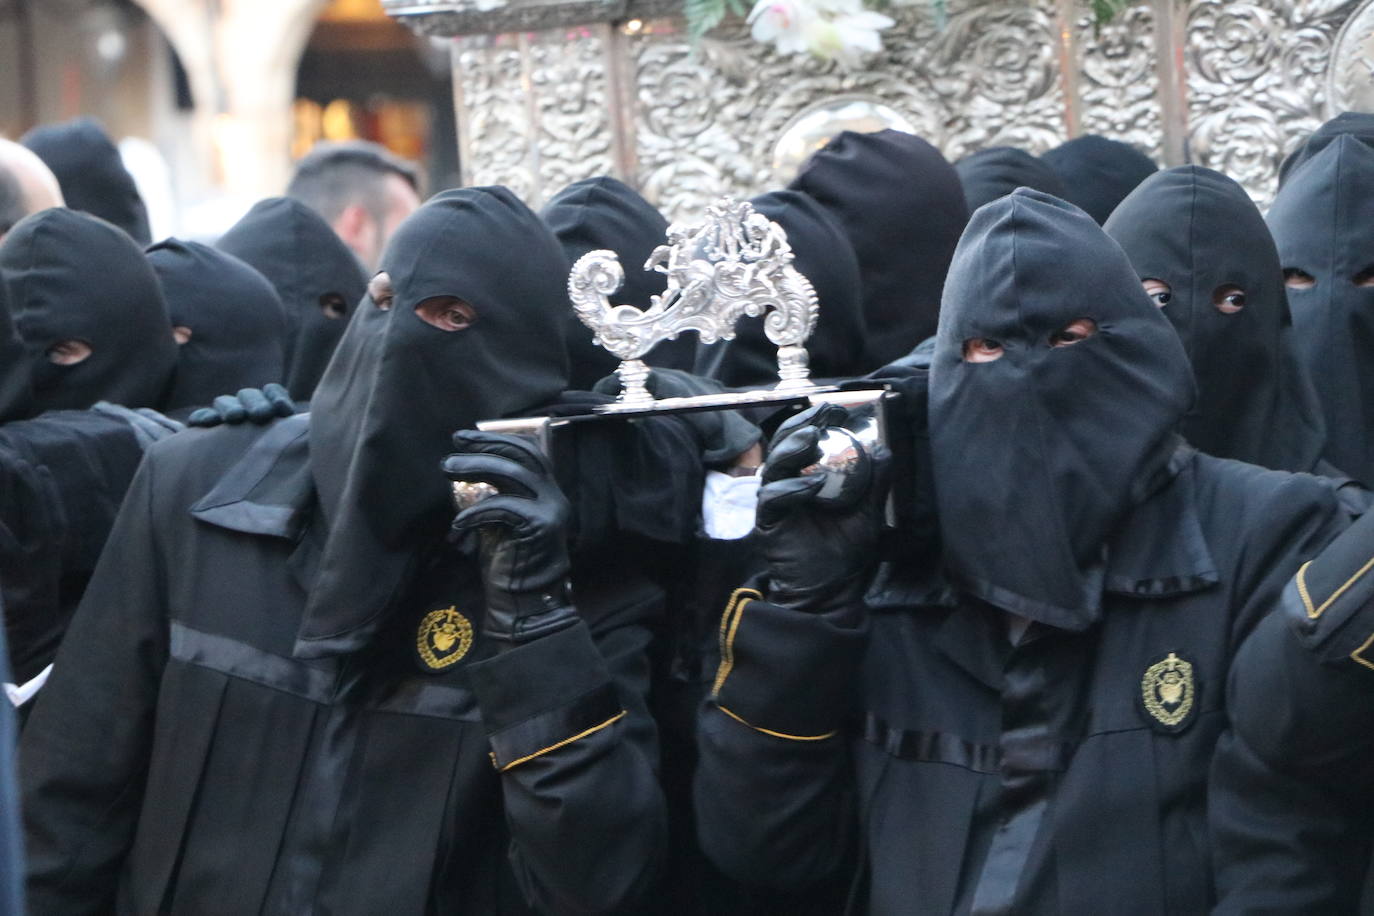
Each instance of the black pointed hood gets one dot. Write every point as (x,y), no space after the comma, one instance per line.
(605,213)
(901,205)
(236,320)
(16,395)
(398,387)
(1039,453)
(1357,124)
(822,255)
(73,276)
(1198,231)
(1098,173)
(319,279)
(91,173)
(992,173)
(1323,225)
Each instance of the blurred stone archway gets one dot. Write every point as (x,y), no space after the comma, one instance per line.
(240,58)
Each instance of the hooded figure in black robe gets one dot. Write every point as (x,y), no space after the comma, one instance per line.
(299,675)
(992,173)
(91,173)
(1357,124)
(74,277)
(901,205)
(319,279)
(1295,776)
(1323,225)
(597,213)
(234,318)
(63,475)
(822,255)
(1038,740)
(1098,173)
(1200,246)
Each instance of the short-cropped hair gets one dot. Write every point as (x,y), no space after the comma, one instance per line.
(335,175)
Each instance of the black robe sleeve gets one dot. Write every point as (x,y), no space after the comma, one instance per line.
(1293,780)
(572,738)
(773,788)
(84,755)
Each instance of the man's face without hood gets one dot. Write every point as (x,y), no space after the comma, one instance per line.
(367,230)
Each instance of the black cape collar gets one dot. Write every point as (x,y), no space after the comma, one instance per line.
(269,490)
(1159,551)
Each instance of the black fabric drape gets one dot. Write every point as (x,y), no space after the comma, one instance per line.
(398,387)
(319,279)
(75,277)
(1198,231)
(91,173)
(1036,455)
(1323,225)
(1098,173)
(992,173)
(901,205)
(236,320)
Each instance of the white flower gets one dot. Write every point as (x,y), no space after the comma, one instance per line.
(847,37)
(841,30)
(782,22)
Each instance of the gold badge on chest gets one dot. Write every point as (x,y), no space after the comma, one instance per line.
(443,639)
(1169,692)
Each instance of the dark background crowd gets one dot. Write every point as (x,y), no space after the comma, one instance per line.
(1091,633)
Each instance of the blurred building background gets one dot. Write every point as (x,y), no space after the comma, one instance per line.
(210,100)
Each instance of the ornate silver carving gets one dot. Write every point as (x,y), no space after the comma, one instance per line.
(735,262)
(1118,84)
(1257,82)
(542,108)
(708,122)
(1350,78)
(474,17)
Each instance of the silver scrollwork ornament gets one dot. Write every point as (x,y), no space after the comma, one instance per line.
(734,262)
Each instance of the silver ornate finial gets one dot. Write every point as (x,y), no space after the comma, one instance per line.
(733,263)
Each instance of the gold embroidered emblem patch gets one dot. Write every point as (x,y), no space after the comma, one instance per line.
(1168,691)
(444,638)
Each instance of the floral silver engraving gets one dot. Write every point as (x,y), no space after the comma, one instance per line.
(589,87)
(1257,82)
(735,262)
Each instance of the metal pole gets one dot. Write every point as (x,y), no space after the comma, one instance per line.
(1066,45)
(1172,68)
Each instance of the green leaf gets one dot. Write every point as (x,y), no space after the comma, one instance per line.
(940,10)
(702,16)
(1104,11)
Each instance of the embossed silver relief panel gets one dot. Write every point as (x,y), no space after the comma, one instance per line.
(545,108)
(1257,82)
(708,124)
(534,109)
(1118,82)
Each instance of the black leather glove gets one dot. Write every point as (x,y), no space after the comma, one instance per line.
(724,434)
(256,405)
(522,534)
(818,532)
